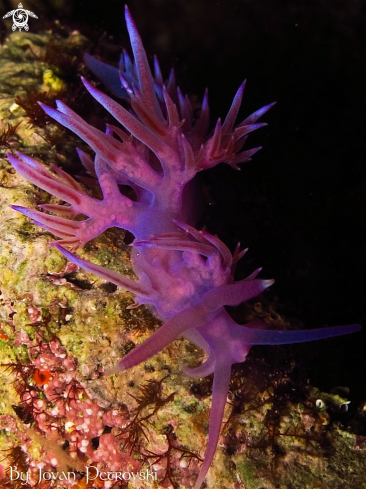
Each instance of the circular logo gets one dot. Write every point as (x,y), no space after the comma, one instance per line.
(20,19)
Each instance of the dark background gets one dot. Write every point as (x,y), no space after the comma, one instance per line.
(300,204)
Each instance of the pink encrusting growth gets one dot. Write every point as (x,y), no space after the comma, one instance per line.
(184,274)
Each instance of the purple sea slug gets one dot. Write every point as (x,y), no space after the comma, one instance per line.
(185,275)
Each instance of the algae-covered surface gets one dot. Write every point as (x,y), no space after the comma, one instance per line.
(62,327)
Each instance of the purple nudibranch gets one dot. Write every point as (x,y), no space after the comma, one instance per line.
(186,276)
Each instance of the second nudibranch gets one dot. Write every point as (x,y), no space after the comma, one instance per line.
(186,276)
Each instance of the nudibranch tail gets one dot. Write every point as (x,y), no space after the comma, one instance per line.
(220,390)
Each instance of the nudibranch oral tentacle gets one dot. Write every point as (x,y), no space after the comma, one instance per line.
(184,274)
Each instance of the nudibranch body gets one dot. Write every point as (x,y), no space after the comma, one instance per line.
(185,275)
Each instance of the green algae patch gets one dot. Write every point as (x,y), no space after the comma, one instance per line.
(246,473)
(55,261)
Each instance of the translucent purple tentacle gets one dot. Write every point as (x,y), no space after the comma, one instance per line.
(252,336)
(107,74)
(168,332)
(115,278)
(234,294)
(234,109)
(180,245)
(220,390)
(146,83)
(203,370)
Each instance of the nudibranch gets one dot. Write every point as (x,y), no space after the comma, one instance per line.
(185,275)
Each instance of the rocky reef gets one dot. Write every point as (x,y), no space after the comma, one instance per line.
(61,327)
